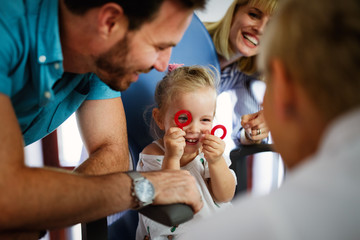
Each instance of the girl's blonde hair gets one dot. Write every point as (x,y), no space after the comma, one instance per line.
(178,81)
(220,32)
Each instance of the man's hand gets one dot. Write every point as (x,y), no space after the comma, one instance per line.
(175,186)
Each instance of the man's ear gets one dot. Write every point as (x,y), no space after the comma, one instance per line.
(112,20)
(285,98)
(158,118)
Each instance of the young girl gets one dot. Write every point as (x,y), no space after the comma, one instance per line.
(192,148)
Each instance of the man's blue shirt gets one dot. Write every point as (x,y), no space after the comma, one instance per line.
(31,69)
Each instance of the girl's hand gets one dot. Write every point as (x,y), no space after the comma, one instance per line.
(213,148)
(174,143)
(255,126)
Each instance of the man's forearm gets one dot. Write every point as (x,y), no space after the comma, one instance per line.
(105,161)
(34,196)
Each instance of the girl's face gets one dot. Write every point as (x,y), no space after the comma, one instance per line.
(246,28)
(201,104)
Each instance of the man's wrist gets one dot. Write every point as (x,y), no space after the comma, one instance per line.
(142,190)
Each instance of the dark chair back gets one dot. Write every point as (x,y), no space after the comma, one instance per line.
(242,158)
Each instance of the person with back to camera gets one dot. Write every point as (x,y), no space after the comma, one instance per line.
(58,57)
(310,58)
(193,148)
(237,40)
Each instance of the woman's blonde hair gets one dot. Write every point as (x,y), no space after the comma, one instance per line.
(220,32)
(178,81)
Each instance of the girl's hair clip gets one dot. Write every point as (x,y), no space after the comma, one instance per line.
(173,66)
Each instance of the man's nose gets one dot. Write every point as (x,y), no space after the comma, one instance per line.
(162,61)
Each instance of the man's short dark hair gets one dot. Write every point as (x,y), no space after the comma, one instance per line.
(137,11)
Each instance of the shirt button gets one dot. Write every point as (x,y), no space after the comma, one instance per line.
(42,58)
(56,66)
(47,94)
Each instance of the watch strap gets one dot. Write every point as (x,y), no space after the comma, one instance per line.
(137,177)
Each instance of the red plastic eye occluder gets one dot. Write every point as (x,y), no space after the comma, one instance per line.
(216,128)
(176,118)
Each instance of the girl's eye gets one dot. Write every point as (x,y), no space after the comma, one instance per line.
(206,120)
(183,118)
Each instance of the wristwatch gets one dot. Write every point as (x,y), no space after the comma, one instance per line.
(142,189)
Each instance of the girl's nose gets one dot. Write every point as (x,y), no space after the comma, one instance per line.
(193,127)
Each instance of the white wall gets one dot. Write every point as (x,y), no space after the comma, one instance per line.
(214,10)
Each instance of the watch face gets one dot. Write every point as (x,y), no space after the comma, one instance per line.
(144,191)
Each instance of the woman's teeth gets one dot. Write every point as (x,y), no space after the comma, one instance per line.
(251,39)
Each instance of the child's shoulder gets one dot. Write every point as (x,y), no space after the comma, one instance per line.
(153,149)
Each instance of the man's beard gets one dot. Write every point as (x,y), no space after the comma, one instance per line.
(111,66)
